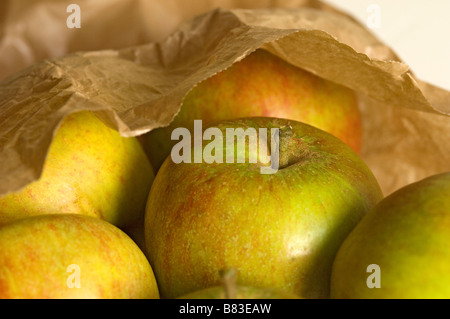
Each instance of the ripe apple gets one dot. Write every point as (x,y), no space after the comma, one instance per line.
(263,84)
(229,290)
(277,230)
(242,292)
(89,169)
(68,256)
(407,237)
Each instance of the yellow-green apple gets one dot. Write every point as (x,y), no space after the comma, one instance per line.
(217,292)
(400,249)
(90,169)
(229,290)
(68,256)
(279,230)
(263,84)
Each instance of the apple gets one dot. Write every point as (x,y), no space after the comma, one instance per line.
(90,169)
(218,292)
(278,230)
(263,84)
(71,256)
(400,249)
(229,290)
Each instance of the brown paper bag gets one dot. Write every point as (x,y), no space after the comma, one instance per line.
(138,88)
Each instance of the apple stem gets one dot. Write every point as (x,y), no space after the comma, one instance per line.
(229,282)
(291,147)
(286,146)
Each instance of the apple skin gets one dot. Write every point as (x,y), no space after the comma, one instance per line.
(277,230)
(89,169)
(263,85)
(242,292)
(407,236)
(229,290)
(35,254)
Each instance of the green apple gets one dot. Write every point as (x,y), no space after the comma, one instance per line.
(278,230)
(89,169)
(400,250)
(71,256)
(264,85)
(229,290)
(218,292)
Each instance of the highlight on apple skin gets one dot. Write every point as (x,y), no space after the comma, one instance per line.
(277,230)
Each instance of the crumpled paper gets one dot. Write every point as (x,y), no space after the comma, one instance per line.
(139,87)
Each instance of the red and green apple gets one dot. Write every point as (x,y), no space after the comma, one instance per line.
(264,85)
(279,231)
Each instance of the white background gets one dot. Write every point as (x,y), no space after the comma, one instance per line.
(417,30)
